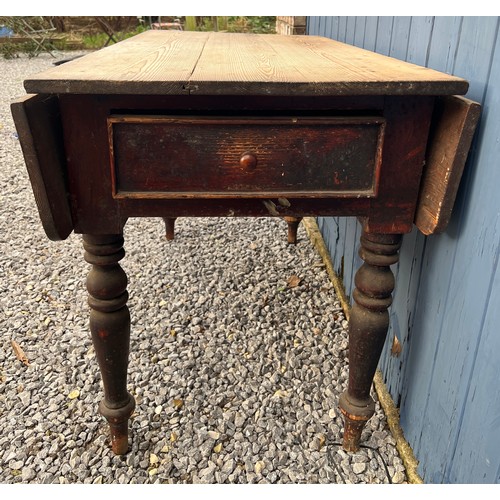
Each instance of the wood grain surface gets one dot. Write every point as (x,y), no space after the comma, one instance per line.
(227,157)
(455,120)
(37,123)
(206,63)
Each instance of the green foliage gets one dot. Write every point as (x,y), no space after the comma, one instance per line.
(232,24)
(190,23)
(19,25)
(252,24)
(11,50)
(98,40)
(94,41)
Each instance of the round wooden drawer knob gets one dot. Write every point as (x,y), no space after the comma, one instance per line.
(248,161)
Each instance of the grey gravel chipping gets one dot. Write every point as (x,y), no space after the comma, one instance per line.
(235,373)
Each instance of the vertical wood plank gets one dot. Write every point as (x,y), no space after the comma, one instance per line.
(350,30)
(444,41)
(402,311)
(454,278)
(350,247)
(335,27)
(359,31)
(400,36)
(329,227)
(340,260)
(384,34)
(476,455)
(357,261)
(370,38)
(446,372)
(342,29)
(314,25)
(420,38)
(329,26)
(409,42)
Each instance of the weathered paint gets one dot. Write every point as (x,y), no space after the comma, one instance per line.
(445,311)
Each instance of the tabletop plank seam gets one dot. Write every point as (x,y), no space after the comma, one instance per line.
(188,82)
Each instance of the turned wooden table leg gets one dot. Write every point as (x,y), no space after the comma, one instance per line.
(110,327)
(369,321)
(293,225)
(169,227)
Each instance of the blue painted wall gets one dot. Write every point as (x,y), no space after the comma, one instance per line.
(446,310)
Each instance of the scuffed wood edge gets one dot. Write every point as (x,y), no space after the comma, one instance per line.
(55,218)
(391,412)
(454,124)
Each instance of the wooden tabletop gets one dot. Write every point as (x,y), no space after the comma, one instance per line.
(207,63)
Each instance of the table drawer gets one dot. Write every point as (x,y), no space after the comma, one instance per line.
(221,157)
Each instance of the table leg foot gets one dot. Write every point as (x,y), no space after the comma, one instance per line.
(118,424)
(293,225)
(368,324)
(169,227)
(110,328)
(355,418)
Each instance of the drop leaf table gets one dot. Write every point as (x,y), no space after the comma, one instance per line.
(187,124)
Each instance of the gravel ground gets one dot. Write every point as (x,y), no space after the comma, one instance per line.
(235,372)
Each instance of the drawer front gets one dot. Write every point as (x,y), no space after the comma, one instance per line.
(226,157)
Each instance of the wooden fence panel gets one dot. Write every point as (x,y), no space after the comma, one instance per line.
(445,311)
(456,299)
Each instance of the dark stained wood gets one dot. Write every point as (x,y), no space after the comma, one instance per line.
(88,172)
(244,207)
(95,209)
(201,157)
(408,122)
(454,124)
(38,125)
(293,225)
(247,104)
(195,63)
(169,227)
(173,124)
(368,324)
(110,327)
